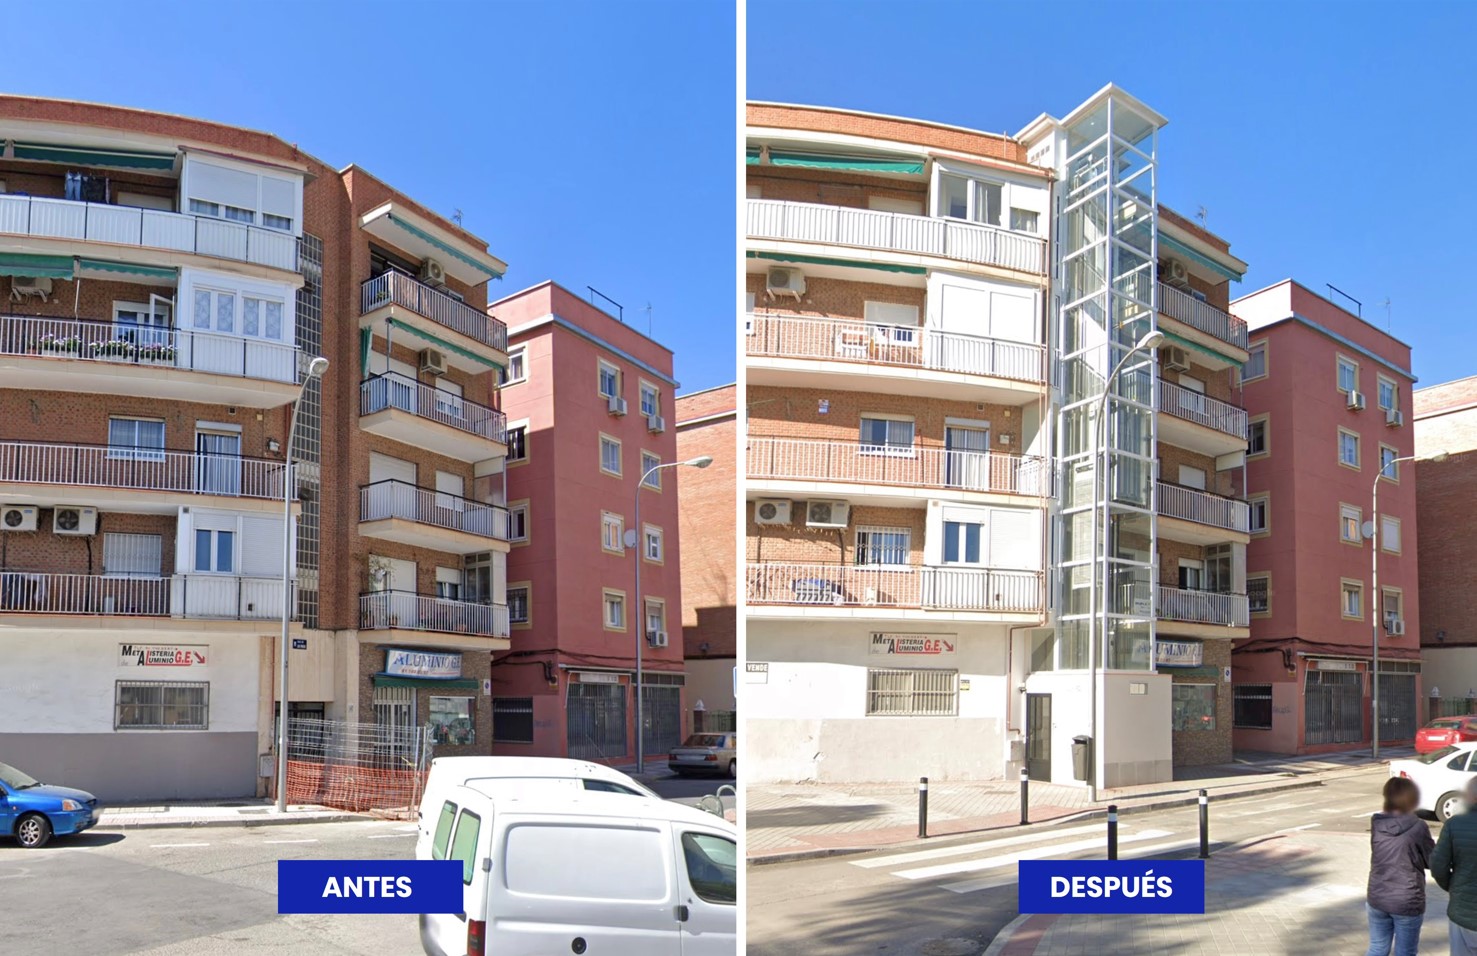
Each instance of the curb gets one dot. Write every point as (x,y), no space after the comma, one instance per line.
(1006,935)
(264,821)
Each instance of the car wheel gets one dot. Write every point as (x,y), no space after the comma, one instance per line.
(733,769)
(1448,806)
(32,831)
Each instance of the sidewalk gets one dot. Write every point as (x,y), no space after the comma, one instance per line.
(246,812)
(798,821)
(1287,893)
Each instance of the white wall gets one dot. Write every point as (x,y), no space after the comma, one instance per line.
(216,179)
(1134,733)
(190,279)
(987,307)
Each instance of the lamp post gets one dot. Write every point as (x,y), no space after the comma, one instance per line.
(1374,587)
(635,538)
(1150,340)
(316,368)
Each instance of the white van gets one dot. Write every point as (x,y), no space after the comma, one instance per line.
(551,868)
(449,772)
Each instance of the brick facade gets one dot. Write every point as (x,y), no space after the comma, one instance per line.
(707,425)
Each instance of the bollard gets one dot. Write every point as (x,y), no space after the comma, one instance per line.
(922,807)
(1112,831)
(1204,826)
(1025,797)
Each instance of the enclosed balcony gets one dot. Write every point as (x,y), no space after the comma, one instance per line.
(1200,517)
(425,518)
(914,238)
(1198,422)
(222,597)
(892,592)
(1186,606)
(470,339)
(408,411)
(1201,316)
(424,619)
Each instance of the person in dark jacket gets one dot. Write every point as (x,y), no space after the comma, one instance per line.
(1454,865)
(1399,853)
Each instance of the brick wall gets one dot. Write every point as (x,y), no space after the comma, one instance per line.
(831,188)
(823,120)
(1218,384)
(833,298)
(706,522)
(1447,548)
(1198,748)
(795,413)
(49,553)
(1171,457)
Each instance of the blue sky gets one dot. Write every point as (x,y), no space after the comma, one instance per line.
(1324,140)
(583,141)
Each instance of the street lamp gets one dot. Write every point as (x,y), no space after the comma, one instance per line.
(1150,341)
(1374,585)
(316,368)
(634,537)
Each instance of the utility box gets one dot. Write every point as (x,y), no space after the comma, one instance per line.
(1081,757)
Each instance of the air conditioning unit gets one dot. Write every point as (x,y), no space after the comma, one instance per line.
(78,521)
(1176,359)
(656,424)
(826,514)
(432,272)
(772,511)
(1176,274)
(433,362)
(780,281)
(617,405)
(1395,626)
(17,518)
(656,638)
(24,286)
(1356,401)
(1394,417)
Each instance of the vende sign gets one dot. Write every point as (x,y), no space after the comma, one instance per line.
(400,662)
(913,645)
(162,655)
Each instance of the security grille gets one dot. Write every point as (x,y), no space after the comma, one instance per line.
(596,719)
(394,712)
(512,720)
(1253,706)
(1333,707)
(912,693)
(133,554)
(1397,706)
(161,705)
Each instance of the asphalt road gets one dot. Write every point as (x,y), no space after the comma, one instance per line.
(951,897)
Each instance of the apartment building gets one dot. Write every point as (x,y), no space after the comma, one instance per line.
(1328,396)
(707,424)
(169,282)
(932,316)
(590,411)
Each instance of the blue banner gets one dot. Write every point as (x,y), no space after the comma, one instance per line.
(1112,886)
(369,886)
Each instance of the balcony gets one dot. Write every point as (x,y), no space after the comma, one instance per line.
(96,356)
(1228,420)
(408,411)
(909,235)
(135,479)
(407,301)
(1200,517)
(425,518)
(798,466)
(424,619)
(45,218)
(221,597)
(909,360)
(1201,316)
(862,591)
(1202,607)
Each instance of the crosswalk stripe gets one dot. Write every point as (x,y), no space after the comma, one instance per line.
(921,855)
(1006,859)
(994,882)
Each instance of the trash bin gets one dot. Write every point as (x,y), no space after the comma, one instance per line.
(1081,757)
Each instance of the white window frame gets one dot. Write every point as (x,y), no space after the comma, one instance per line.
(1389,469)
(1265,501)
(649,390)
(516,510)
(1381,383)
(517,359)
(1341,363)
(974,181)
(887,449)
(659,606)
(1387,522)
(1252,349)
(213,535)
(612,598)
(612,532)
(136,451)
(604,367)
(864,548)
(1349,586)
(1358,449)
(649,461)
(612,441)
(520,459)
(1266,422)
(1347,513)
(653,544)
(138,550)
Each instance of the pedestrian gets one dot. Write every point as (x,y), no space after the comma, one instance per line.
(1454,865)
(1399,854)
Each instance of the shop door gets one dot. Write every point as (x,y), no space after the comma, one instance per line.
(1333,708)
(596,721)
(1397,707)
(1038,736)
(663,723)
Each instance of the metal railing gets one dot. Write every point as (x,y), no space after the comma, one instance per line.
(402,290)
(816,460)
(44,217)
(896,232)
(852,340)
(1203,507)
(1203,607)
(202,596)
(1201,409)
(400,499)
(393,390)
(142,469)
(227,597)
(98,340)
(381,610)
(1181,305)
(929,588)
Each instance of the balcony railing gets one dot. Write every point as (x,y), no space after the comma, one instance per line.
(1203,607)
(380,610)
(98,340)
(393,390)
(203,596)
(895,232)
(850,340)
(942,589)
(48,218)
(1183,306)
(811,460)
(402,290)
(1202,507)
(227,597)
(140,469)
(1201,409)
(399,499)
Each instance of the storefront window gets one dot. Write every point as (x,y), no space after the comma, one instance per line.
(452,721)
(1194,707)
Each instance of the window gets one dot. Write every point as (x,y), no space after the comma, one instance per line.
(512,720)
(1023,220)
(453,721)
(215,551)
(1351,594)
(518,523)
(136,439)
(1259,514)
(1389,395)
(912,693)
(1194,707)
(651,400)
(976,200)
(136,322)
(1388,468)
(1252,706)
(1390,609)
(449,584)
(901,318)
(202,208)
(1350,518)
(886,546)
(519,611)
(1257,437)
(261,318)
(615,610)
(443,831)
(653,548)
(1256,362)
(518,444)
(610,455)
(1259,593)
(276,222)
(653,479)
(886,436)
(962,542)
(712,867)
(161,705)
(1348,375)
(517,370)
(1389,534)
(611,528)
(610,380)
(464,844)
(656,616)
(126,555)
(1348,448)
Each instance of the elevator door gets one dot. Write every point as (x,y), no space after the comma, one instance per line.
(1038,736)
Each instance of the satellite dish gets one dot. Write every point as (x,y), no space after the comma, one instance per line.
(630,537)
(1367,529)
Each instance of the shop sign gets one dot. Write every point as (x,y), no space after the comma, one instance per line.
(913,645)
(1325,665)
(403,662)
(756,673)
(162,655)
(1179,653)
(598,677)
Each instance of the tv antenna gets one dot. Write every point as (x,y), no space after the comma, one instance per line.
(456,217)
(1201,214)
(1386,304)
(648,320)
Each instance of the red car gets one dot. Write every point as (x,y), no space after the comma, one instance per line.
(1445,732)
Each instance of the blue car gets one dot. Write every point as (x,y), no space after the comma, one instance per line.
(31,811)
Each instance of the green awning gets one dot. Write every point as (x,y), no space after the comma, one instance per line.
(445,247)
(1180,249)
(48,267)
(435,683)
(1201,348)
(93,156)
(846,263)
(443,344)
(365,337)
(128,268)
(751,157)
(857,164)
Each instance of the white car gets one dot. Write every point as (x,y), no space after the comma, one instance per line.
(1442,776)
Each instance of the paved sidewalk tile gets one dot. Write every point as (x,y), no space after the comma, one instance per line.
(216,813)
